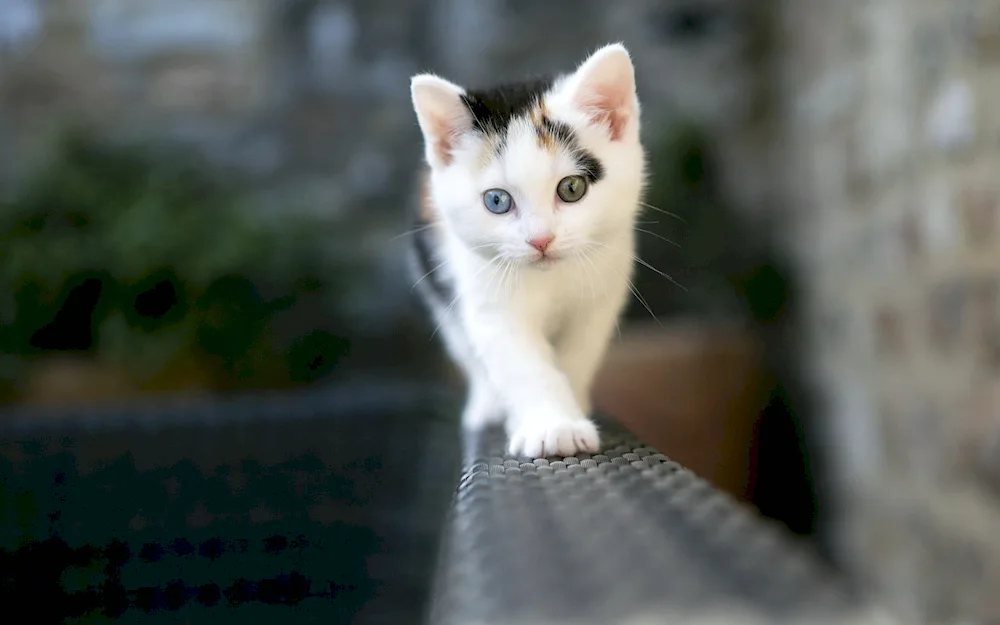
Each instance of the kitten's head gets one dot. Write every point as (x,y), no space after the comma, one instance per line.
(540,170)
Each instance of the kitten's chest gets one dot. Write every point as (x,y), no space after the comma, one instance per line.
(551,298)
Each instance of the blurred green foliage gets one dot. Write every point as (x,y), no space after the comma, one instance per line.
(144,260)
(722,254)
(686,232)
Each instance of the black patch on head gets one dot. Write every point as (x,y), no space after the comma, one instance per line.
(592,168)
(494,108)
(424,245)
(560,131)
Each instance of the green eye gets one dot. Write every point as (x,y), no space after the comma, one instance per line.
(572,189)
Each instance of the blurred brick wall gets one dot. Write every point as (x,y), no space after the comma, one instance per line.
(892,126)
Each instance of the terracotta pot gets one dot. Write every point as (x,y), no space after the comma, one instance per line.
(63,380)
(74,379)
(694,393)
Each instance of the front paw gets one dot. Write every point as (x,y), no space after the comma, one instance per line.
(554,437)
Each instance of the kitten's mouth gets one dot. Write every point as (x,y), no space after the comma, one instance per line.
(544,260)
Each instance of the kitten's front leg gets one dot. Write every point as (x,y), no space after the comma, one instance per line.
(482,405)
(544,418)
(582,346)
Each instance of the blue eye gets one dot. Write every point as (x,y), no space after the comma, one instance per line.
(497,201)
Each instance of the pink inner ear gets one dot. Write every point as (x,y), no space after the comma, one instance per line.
(444,141)
(610,112)
(606,107)
(443,147)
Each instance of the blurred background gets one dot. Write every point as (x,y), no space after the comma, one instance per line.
(202,197)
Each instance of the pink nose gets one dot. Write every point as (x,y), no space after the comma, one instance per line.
(541,243)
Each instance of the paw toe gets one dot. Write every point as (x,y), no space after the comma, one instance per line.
(563,438)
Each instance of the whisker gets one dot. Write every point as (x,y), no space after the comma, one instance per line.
(654,269)
(503,277)
(478,247)
(659,236)
(443,316)
(443,263)
(665,212)
(411,232)
(516,276)
(597,271)
(458,295)
(506,273)
(635,291)
(580,257)
(493,276)
(644,264)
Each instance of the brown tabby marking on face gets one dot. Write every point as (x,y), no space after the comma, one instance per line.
(489,150)
(539,120)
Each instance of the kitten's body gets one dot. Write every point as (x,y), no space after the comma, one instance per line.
(527,299)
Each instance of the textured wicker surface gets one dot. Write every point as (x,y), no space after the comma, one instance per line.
(320,507)
(596,539)
(327,507)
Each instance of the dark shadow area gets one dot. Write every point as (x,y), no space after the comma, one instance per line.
(730,270)
(315,507)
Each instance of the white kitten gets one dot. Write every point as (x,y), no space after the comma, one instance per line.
(525,260)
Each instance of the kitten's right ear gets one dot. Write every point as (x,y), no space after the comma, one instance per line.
(442,115)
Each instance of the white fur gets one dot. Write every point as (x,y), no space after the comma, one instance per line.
(530,338)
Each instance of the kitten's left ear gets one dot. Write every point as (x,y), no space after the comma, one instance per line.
(442,114)
(604,88)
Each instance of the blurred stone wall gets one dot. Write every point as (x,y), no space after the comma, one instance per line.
(892,127)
